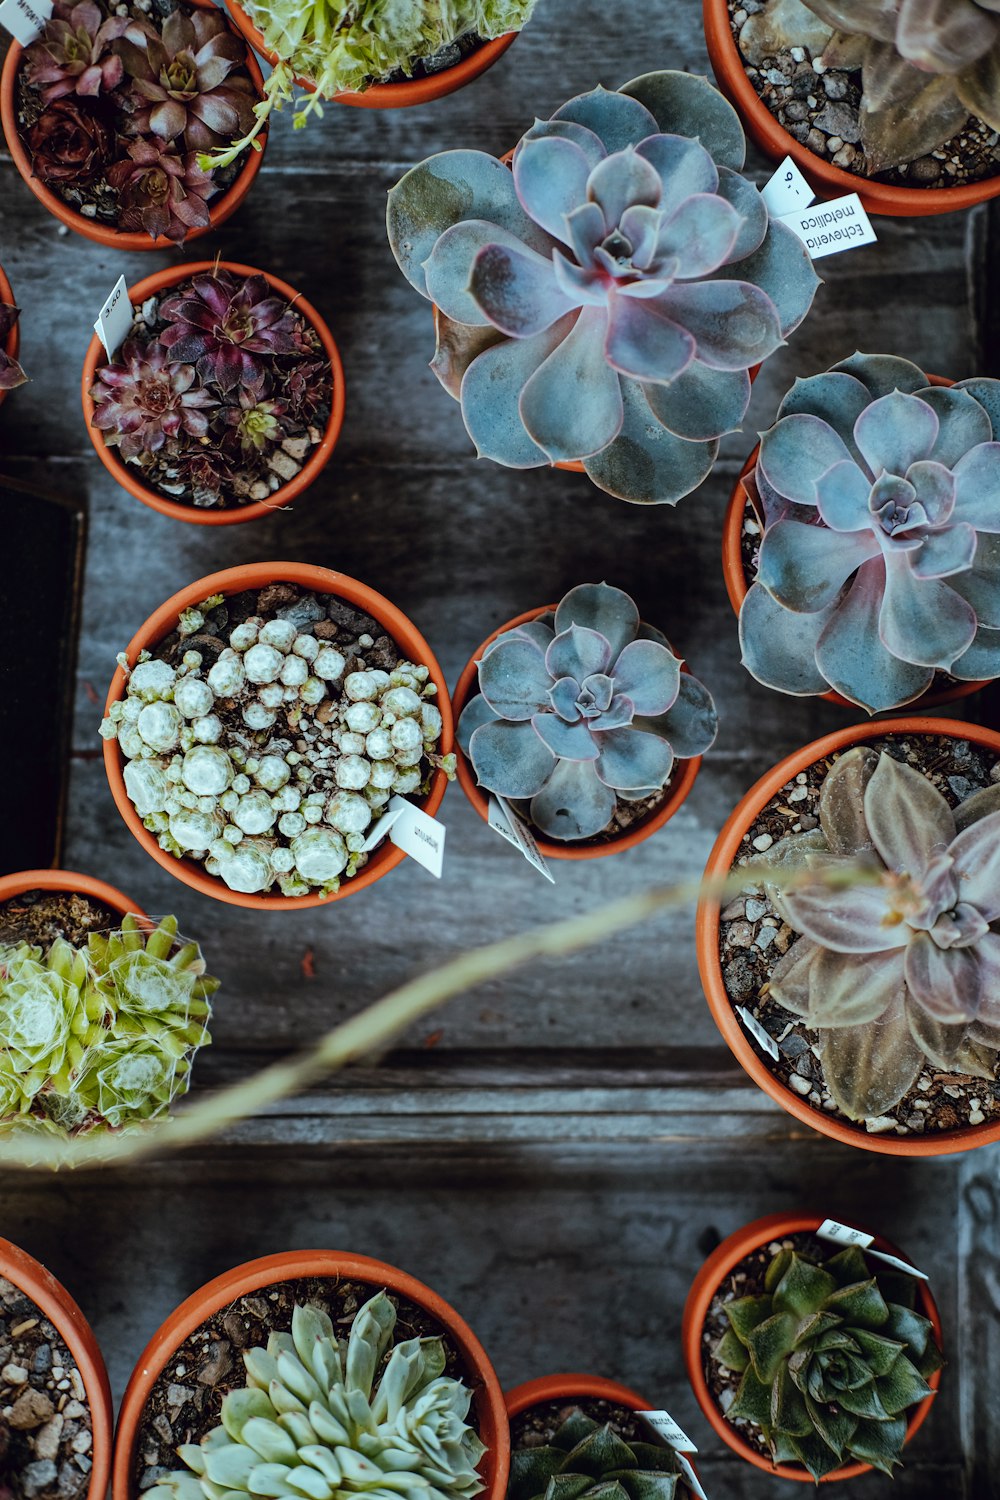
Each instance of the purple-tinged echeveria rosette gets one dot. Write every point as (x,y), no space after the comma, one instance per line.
(880,560)
(581,709)
(606,298)
(900,966)
(11,374)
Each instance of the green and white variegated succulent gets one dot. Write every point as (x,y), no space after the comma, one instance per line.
(317,1421)
(606,299)
(588,1460)
(102,1035)
(581,708)
(880,560)
(832,1357)
(899,968)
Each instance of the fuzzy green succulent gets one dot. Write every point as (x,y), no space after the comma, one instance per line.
(318,1420)
(832,1357)
(587,1460)
(102,1035)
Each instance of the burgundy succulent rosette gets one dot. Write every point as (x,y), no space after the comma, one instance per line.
(218,394)
(116,110)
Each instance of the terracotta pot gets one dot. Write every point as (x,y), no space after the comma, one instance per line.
(681,785)
(721,859)
(573,1387)
(233,581)
(488,1403)
(55,1302)
(221,208)
(13,343)
(127,474)
(714,1271)
(736,582)
(775,141)
(388,95)
(68,882)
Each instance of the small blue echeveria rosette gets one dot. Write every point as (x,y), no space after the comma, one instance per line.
(606,299)
(580,710)
(879,564)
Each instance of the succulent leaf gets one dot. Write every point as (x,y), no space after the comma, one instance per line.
(585,1461)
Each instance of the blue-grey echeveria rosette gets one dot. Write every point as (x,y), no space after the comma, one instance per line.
(880,560)
(606,298)
(579,709)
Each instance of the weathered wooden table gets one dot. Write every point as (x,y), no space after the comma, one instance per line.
(561,1158)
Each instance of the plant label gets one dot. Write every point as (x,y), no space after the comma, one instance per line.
(115,319)
(415,832)
(829,228)
(786,191)
(663,1424)
(761,1037)
(690,1477)
(843,1234)
(504,820)
(24,19)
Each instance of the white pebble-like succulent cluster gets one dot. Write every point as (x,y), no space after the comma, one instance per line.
(270,765)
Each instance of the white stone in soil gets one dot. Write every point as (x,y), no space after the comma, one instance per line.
(226,676)
(329,664)
(206,770)
(194,697)
(348,812)
(320,855)
(262,663)
(146,785)
(159,726)
(150,680)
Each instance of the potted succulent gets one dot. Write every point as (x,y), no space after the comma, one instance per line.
(580,1434)
(11,374)
(861,954)
(373,55)
(867,522)
(894,99)
(605,299)
(261,720)
(226,398)
(581,717)
(812,1360)
(101,1010)
(330,1365)
(111,113)
(52,1442)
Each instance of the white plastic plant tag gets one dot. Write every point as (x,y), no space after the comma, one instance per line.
(115,319)
(761,1037)
(786,191)
(415,832)
(843,1234)
(690,1477)
(828,228)
(24,19)
(670,1431)
(504,820)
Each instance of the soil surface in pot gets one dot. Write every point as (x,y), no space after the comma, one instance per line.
(92,195)
(537,1426)
(752,937)
(46,1437)
(186,1401)
(820,109)
(40,917)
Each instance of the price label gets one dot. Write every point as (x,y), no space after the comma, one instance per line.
(786,191)
(25,19)
(115,320)
(504,820)
(843,1234)
(670,1431)
(690,1477)
(412,830)
(761,1037)
(829,228)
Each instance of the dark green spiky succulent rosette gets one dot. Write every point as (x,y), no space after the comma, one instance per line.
(587,1460)
(832,1358)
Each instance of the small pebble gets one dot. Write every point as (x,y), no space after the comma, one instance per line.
(763,841)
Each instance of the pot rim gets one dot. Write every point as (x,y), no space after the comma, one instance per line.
(734,1248)
(227,201)
(69,882)
(775,141)
(292,1265)
(55,1302)
(122,472)
(13,343)
(724,851)
(548,848)
(568,1385)
(258,575)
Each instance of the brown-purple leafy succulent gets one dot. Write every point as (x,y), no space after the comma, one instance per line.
(223,326)
(901,966)
(75,53)
(145,399)
(256,419)
(11,374)
(190,80)
(69,143)
(160,191)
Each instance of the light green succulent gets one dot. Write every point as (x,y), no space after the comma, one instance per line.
(318,1420)
(102,1035)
